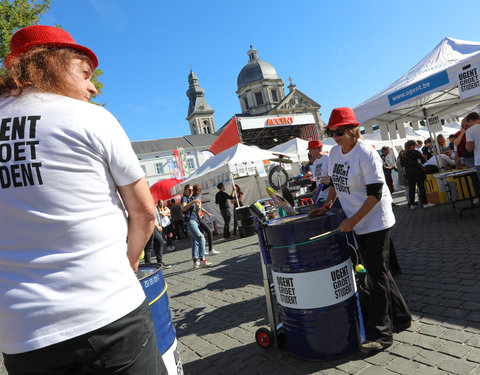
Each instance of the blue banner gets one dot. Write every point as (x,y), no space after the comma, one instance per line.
(418,88)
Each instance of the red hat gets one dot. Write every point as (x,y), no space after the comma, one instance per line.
(45,36)
(314,144)
(342,116)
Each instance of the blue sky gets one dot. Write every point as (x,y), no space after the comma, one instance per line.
(339,53)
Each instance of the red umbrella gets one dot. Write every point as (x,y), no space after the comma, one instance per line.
(161,189)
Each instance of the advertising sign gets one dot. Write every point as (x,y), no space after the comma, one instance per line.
(418,88)
(316,289)
(468,81)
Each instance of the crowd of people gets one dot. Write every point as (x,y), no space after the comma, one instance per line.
(417,159)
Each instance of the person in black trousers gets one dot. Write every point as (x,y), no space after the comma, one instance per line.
(222,199)
(412,161)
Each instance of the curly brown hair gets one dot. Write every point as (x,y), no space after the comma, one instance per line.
(42,68)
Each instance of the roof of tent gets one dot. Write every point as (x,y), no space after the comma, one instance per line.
(433,84)
(220,166)
(295,146)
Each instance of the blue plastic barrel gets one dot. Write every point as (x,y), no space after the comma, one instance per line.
(155,288)
(314,286)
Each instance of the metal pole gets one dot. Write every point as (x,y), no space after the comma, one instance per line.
(434,140)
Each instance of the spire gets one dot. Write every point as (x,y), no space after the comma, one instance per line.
(252,54)
(196,95)
(291,86)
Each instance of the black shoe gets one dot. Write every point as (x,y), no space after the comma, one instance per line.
(373,346)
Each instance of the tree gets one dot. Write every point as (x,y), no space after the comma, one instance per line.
(16,14)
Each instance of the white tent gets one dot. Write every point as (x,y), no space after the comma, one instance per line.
(445,84)
(295,146)
(240,164)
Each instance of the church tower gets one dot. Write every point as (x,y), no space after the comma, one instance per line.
(259,87)
(200,114)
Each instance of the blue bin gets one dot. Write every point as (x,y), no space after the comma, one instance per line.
(314,286)
(155,288)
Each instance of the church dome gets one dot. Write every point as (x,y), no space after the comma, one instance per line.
(255,70)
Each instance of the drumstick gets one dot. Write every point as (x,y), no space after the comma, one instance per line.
(325,234)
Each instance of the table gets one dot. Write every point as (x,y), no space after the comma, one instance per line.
(463,175)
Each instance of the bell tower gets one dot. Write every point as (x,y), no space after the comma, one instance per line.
(200,114)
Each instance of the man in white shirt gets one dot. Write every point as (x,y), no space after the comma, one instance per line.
(319,166)
(71,302)
(473,144)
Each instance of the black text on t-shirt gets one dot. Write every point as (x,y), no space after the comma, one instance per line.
(340,177)
(18,152)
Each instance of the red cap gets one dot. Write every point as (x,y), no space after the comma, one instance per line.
(314,144)
(45,36)
(342,116)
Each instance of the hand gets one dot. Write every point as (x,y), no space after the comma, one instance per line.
(347,225)
(325,180)
(317,212)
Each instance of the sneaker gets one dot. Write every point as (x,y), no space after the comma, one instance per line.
(412,207)
(205,263)
(171,248)
(213,252)
(373,346)
(196,264)
(166,266)
(476,201)
(428,205)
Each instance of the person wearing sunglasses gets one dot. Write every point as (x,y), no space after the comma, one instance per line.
(356,178)
(190,205)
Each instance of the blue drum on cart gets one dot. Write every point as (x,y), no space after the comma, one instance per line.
(314,286)
(155,288)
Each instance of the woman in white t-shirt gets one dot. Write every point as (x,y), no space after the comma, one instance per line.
(356,178)
(166,223)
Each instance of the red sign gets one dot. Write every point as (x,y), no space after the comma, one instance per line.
(178,159)
(280,121)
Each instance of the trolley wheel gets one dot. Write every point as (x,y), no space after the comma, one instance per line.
(264,338)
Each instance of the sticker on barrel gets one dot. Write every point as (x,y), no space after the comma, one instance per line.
(315,289)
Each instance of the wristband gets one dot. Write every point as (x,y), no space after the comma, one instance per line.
(326,207)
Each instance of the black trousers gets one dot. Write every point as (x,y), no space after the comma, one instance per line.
(207,232)
(416,177)
(387,308)
(154,243)
(127,346)
(226,214)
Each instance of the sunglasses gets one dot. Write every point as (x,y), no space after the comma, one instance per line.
(337,132)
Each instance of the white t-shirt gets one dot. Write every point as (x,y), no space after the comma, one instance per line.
(350,174)
(443,160)
(320,169)
(473,135)
(63,265)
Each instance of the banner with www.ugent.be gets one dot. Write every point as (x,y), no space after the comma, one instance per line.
(418,88)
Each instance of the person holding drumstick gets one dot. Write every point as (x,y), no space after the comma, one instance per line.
(356,178)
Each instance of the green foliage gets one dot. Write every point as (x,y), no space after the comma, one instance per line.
(15,14)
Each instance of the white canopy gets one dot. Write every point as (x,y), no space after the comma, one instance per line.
(445,82)
(240,164)
(295,146)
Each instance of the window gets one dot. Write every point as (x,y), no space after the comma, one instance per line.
(191,163)
(245,101)
(206,130)
(259,98)
(274,95)
(159,168)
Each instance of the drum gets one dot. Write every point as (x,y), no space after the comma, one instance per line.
(155,288)
(314,286)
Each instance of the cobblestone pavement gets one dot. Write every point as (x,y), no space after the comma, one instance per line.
(217,310)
